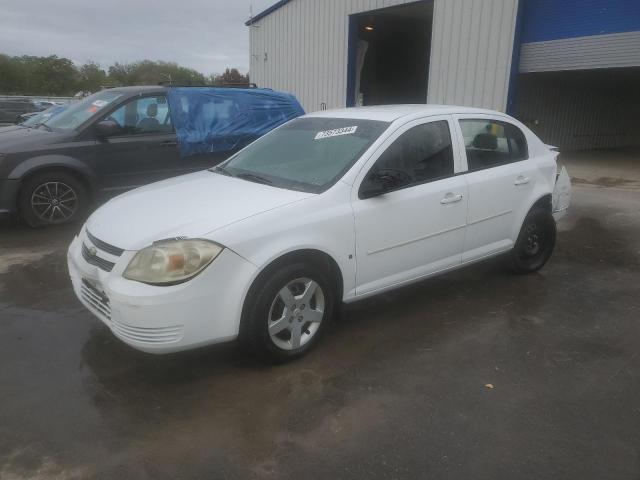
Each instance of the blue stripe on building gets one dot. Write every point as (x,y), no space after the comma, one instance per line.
(558,19)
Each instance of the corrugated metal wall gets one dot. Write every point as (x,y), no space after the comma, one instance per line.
(579,34)
(471,52)
(595,51)
(302,48)
(582,110)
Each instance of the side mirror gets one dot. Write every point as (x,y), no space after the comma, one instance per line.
(382,181)
(106,128)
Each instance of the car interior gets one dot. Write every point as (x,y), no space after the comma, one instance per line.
(489,144)
(143,115)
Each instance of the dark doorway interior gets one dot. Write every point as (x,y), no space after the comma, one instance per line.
(582,109)
(392,55)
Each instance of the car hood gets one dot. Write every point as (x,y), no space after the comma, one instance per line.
(23,139)
(188,206)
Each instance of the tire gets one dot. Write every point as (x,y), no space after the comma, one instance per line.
(52,198)
(278,328)
(536,241)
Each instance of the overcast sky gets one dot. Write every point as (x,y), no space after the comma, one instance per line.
(207,35)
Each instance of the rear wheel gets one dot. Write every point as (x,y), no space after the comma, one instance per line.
(535,243)
(288,313)
(52,198)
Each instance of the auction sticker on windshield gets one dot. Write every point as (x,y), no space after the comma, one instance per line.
(336,132)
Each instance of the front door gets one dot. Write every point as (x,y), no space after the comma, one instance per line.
(416,228)
(144,150)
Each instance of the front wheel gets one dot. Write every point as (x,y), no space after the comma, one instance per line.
(52,198)
(288,313)
(535,242)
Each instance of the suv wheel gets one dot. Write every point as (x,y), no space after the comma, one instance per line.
(52,198)
(535,242)
(288,313)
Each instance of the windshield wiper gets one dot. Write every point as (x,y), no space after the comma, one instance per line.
(252,177)
(46,127)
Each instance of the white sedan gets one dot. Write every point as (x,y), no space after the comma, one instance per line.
(332,207)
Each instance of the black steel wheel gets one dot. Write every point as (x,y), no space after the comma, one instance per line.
(535,243)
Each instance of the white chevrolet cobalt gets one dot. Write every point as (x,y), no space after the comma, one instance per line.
(331,207)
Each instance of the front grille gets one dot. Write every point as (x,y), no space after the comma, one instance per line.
(157,335)
(96,299)
(104,246)
(92,259)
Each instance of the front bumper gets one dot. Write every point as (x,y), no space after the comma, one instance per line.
(201,311)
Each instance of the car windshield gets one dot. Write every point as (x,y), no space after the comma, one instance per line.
(80,112)
(307,154)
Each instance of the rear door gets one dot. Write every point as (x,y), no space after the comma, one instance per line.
(500,178)
(418,228)
(144,150)
(221,121)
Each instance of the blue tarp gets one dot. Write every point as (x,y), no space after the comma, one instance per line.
(211,120)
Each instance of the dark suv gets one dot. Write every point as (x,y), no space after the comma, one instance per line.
(112,141)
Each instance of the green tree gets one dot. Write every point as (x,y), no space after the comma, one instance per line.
(54,75)
(148,72)
(91,77)
(230,76)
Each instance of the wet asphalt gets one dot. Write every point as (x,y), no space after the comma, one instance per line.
(475,374)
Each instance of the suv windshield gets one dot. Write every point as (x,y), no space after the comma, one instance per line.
(80,112)
(307,154)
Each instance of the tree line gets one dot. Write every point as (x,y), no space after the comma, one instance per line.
(58,76)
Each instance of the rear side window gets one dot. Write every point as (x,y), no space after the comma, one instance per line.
(490,143)
(423,153)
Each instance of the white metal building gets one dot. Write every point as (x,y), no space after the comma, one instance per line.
(569,69)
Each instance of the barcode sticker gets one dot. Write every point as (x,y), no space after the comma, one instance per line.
(336,132)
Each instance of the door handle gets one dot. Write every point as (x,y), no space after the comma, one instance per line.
(451,198)
(522,180)
(169,143)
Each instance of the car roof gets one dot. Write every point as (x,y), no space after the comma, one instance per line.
(389,113)
(139,89)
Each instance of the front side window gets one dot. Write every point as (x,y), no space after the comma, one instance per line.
(421,154)
(143,115)
(307,154)
(490,143)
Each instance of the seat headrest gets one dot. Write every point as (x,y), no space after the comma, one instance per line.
(152,110)
(486,141)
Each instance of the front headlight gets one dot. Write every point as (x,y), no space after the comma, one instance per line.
(172,261)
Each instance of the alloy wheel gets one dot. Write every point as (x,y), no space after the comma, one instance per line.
(54,202)
(296,313)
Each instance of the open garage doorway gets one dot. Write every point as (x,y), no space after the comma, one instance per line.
(389,55)
(582,109)
(592,116)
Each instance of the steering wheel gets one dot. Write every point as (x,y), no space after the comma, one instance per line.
(111,119)
(394,176)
